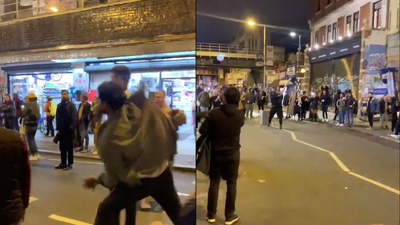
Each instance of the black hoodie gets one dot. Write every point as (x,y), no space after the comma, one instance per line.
(223,126)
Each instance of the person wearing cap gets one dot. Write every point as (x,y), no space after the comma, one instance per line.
(49,116)
(31,115)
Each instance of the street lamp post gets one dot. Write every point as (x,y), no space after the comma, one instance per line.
(296,65)
(252,23)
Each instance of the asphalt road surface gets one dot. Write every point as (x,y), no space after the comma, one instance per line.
(57,197)
(310,174)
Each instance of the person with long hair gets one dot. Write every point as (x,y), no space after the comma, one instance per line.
(9,112)
(313,107)
(96,118)
(325,101)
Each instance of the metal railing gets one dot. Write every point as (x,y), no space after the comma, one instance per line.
(22,9)
(225,48)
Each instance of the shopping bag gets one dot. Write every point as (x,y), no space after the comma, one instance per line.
(203,159)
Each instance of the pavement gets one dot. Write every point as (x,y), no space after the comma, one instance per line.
(311,174)
(57,197)
(184,160)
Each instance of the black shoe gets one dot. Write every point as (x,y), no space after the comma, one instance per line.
(210,218)
(60,167)
(269,125)
(68,168)
(280,127)
(233,219)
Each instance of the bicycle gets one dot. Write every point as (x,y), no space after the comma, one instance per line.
(42,125)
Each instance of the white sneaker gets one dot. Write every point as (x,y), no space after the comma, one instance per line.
(144,204)
(341,125)
(33,158)
(394,136)
(37,156)
(338,124)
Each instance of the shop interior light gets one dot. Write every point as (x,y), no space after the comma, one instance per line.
(302,70)
(54,9)
(349,35)
(309,49)
(331,41)
(340,38)
(316,46)
(324,43)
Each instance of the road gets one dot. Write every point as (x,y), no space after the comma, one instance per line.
(58,197)
(299,176)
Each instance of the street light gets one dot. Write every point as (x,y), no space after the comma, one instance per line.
(252,23)
(293,34)
(302,70)
(54,9)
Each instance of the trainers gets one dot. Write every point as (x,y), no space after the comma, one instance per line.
(144,204)
(60,167)
(394,136)
(94,152)
(68,168)
(338,124)
(341,125)
(233,219)
(210,218)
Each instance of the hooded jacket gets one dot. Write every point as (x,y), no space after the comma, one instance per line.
(223,127)
(31,113)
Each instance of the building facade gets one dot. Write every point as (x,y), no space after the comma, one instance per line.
(348,46)
(393,38)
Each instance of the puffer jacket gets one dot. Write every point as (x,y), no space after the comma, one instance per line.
(8,109)
(15,176)
(31,113)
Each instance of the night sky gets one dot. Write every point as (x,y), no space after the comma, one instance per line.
(286,13)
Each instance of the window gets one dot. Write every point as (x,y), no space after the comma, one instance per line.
(316,37)
(334,32)
(329,32)
(348,25)
(318,5)
(356,22)
(377,15)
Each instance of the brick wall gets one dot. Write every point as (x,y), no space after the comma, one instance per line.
(134,20)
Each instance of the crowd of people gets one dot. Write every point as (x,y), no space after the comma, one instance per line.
(133,171)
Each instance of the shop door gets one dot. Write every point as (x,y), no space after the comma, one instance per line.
(180,94)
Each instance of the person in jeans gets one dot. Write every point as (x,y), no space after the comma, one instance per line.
(223,127)
(384,112)
(49,117)
(66,120)
(305,105)
(250,100)
(31,115)
(262,97)
(96,119)
(83,123)
(372,108)
(350,104)
(15,178)
(341,107)
(325,102)
(335,99)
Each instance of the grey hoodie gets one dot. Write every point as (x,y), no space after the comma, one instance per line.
(31,113)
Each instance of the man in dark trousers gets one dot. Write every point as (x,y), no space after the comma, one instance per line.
(15,178)
(66,122)
(276,108)
(83,123)
(223,126)
(394,108)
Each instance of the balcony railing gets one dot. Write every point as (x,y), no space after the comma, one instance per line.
(225,48)
(22,9)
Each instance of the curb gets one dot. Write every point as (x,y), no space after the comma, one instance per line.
(93,157)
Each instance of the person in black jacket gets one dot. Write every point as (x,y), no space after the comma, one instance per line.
(314,107)
(350,105)
(222,127)
(305,105)
(276,108)
(335,99)
(9,112)
(250,100)
(325,101)
(83,122)
(395,107)
(262,97)
(66,120)
(15,178)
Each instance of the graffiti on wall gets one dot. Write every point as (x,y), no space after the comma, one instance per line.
(374,61)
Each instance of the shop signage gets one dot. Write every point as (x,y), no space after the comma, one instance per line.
(339,49)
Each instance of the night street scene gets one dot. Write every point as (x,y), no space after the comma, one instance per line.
(97,112)
(298,110)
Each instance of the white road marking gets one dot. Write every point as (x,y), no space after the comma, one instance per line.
(341,164)
(67,220)
(32,199)
(183,194)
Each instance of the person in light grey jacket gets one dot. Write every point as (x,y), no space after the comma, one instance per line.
(132,171)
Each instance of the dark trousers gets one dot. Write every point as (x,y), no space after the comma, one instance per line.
(336,113)
(16,124)
(324,111)
(66,140)
(394,121)
(260,105)
(30,132)
(9,123)
(49,124)
(84,135)
(130,214)
(370,116)
(303,113)
(161,188)
(227,168)
(272,114)
(397,130)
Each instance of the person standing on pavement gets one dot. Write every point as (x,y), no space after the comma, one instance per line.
(314,108)
(394,108)
(335,99)
(261,99)
(15,178)
(204,101)
(372,109)
(305,105)
(223,127)
(276,108)
(341,107)
(350,104)
(66,120)
(18,110)
(83,123)
(215,99)
(49,117)
(96,118)
(384,112)
(31,115)
(286,103)
(242,102)
(8,109)
(325,102)
(250,100)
